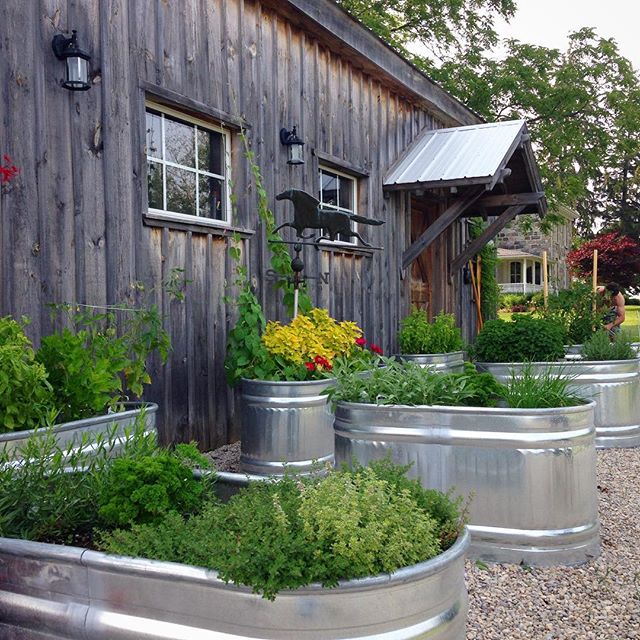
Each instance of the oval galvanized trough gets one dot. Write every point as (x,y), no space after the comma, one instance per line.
(613,384)
(284,424)
(51,592)
(530,472)
(66,433)
(440,362)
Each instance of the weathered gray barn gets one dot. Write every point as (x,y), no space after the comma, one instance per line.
(131,178)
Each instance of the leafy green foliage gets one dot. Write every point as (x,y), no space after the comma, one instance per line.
(601,347)
(418,335)
(26,397)
(531,389)
(103,358)
(446,511)
(273,536)
(489,289)
(578,309)
(48,491)
(407,383)
(524,339)
(144,490)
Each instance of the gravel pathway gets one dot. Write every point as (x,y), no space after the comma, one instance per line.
(596,601)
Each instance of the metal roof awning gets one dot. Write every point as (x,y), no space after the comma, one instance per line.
(492,168)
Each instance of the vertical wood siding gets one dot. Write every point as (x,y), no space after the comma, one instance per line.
(72,224)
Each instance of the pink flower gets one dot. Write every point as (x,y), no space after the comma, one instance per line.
(376,349)
(361,342)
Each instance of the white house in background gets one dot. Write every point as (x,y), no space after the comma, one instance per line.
(519,271)
(520,256)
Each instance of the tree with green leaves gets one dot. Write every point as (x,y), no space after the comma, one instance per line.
(582,105)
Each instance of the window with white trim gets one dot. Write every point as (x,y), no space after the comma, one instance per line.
(187,166)
(339,191)
(516,272)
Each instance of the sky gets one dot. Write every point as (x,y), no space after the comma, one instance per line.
(547,22)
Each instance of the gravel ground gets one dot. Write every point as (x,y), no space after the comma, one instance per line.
(596,601)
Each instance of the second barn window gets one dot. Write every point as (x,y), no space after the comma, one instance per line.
(187,166)
(339,191)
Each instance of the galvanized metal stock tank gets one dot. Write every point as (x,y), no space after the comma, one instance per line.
(613,384)
(285,424)
(51,592)
(439,362)
(530,472)
(118,424)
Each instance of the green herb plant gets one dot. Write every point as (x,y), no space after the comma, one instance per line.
(273,536)
(600,347)
(406,383)
(418,335)
(145,489)
(532,389)
(26,395)
(578,309)
(525,339)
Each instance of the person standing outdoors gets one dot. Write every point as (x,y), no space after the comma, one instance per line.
(615,315)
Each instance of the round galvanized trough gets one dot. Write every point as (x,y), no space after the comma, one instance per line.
(51,592)
(284,425)
(530,473)
(439,362)
(118,425)
(613,384)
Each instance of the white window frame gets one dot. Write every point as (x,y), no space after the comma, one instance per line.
(198,123)
(353,241)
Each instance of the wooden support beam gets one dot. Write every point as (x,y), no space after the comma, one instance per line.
(440,225)
(488,234)
(509,199)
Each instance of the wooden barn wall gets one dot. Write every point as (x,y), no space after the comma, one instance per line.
(72,223)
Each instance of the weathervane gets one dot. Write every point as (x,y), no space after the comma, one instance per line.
(309,214)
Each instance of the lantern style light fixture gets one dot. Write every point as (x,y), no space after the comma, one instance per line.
(294,146)
(76,60)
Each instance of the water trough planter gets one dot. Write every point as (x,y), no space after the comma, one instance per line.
(285,425)
(530,472)
(613,384)
(68,432)
(50,592)
(439,362)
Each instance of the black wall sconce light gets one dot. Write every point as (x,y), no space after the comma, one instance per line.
(76,60)
(294,146)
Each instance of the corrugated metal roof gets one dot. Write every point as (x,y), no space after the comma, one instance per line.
(477,153)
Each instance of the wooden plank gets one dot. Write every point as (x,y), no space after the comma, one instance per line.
(87,175)
(55,189)
(488,234)
(443,221)
(509,199)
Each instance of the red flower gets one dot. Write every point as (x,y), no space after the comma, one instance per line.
(323,362)
(376,349)
(310,366)
(9,171)
(361,342)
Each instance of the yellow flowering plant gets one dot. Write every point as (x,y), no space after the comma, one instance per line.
(307,348)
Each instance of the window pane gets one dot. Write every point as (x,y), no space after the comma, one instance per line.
(212,203)
(329,188)
(154,135)
(181,191)
(180,142)
(346,193)
(210,152)
(154,185)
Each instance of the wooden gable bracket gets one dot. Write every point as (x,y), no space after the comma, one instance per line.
(488,234)
(441,224)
